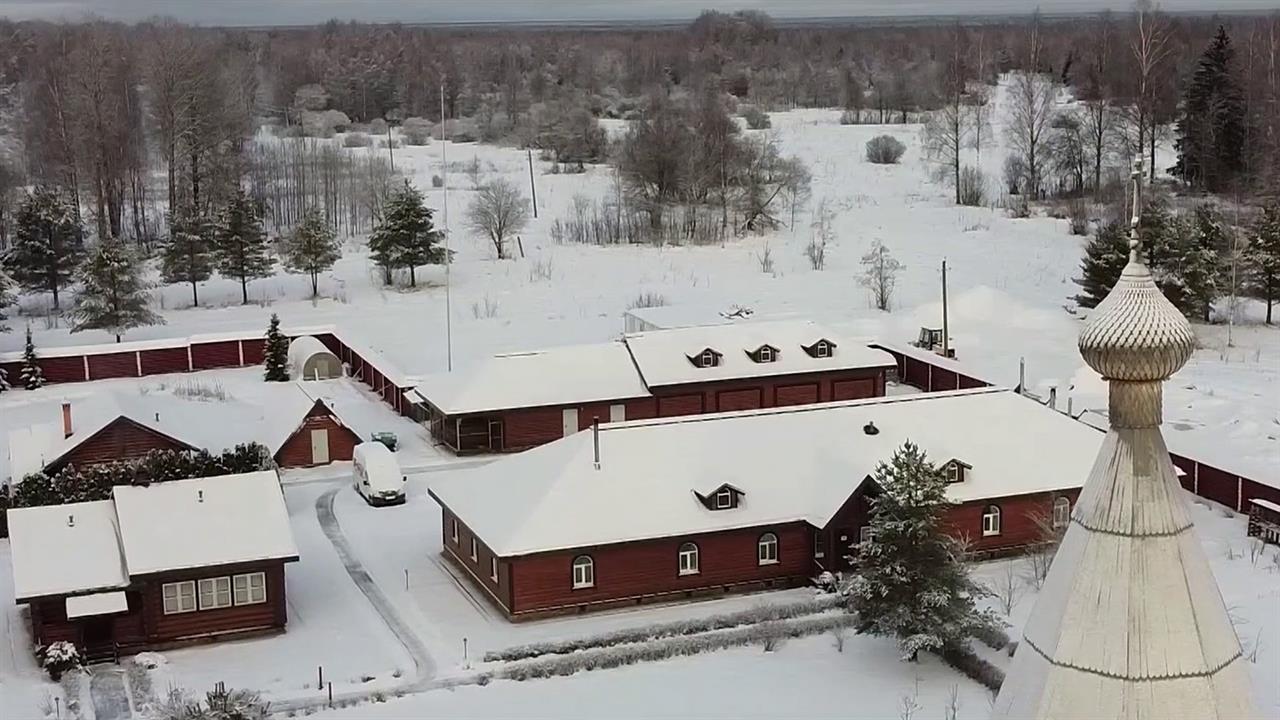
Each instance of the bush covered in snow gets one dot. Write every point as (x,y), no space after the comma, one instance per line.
(885,150)
(964,659)
(756,118)
(991,636)
(752,616)
(416,131)
(218,704)
(324,124)
(57,658)
(356,140)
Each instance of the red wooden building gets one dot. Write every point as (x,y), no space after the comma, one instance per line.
(520,400)
(173,562)
(1264,520)
(672,508)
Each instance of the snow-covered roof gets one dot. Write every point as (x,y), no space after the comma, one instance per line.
(65,549)
(203,522)
(556,376)
(799,463)
(666,317)
(666,357)
(302,349)
(103,603)
(1265,504)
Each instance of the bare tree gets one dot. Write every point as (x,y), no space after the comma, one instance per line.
(1039,557)
(979,109)
(498,212)
(880,274)
(947,129)
(1006,588)
(1150,46)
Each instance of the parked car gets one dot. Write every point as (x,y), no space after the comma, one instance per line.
(376,474)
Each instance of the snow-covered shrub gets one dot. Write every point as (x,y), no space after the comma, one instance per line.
(58,657)
(826,582)
(324,124)
(816,251)
(437,181)
(885,150)
(850,117)
(378,126)
(647,299)
(756,118)
(460,130)
(392,143)
(991,636)
(964,659)
(356,140)
(1078,216)
(218,704)
(973,192)
(416,131)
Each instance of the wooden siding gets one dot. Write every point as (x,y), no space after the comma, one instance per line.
(206,356)
(165,360)
(113,365)
(796,394)
(204,623)
(1018,526)
(649,570)
(296,450)
(460,553)
(121,439)
(746,399)
(533,426)
(855,389)
(63,369)
(255,351)
(672,405)
(13,371)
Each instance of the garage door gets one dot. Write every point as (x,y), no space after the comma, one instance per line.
(727,400)
(679,405)
(113,365)
(797,394)
(854,389)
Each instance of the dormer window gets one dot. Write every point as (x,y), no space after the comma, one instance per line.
(824,348)
(725,497)
(708,358)
(764,354)
(955,471)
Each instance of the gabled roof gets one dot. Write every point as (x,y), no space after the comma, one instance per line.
(795,464)
(556,376)
(662,355)
(64,549)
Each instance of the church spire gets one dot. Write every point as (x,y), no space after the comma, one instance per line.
(1129,623)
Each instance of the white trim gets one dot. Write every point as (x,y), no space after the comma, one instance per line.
(766,354)
(583,573)
(244,585)
(475,550)
(991,520)
(453,530)
(707,359)
(819,550)
(178,597)
(688,560)
(493,569)
(214,593)
(767,549)
(1061,519)
(954,473)
(866,533)
(727,495)
(823,349)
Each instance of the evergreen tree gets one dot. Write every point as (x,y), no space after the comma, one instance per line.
(48,243)
(114,297)
(276,352)
(405,238)
(1211,129)
(8,297)
(31,376)
(187,257)
(35,490)
(1262,258)
(241,244)
(1201,263)
(911,582)
(312,248)
(1104,259)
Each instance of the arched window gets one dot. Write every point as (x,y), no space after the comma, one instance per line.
(1061,512)
(991,521)
(584,572)
(767,549)
(688,559)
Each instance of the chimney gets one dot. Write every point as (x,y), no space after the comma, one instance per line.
(66,419)
(71,520)
(1053,397)
(1022,375)
(595,438)
(1069,404)
(200,496)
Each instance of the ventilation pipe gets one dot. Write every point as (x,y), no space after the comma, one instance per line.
(200,496)
(871,429)
(595,439)
(1053,398)
(71,520)
(66,419)
(1022,375)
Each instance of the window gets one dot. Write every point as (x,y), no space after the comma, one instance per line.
(767,549)
(724,499)
(1061,512)
(688,559)
(819,550)
(179,597)
(953,472)
(215,593)
(250,588)
(822,349)
(584,572)
(475,550)
(453,531)
(866,534)
(991,521)
(708,359)
(766,354)
(493,569)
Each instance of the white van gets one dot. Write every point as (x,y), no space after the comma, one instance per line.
(376,474)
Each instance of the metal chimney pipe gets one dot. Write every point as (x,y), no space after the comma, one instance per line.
(1053,398)
(1022,375)
(66,419)
(595,439)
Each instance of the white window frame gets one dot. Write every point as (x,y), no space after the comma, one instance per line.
(766,354)
(767,549)
(475,550)
(726,495)
(953,472)
(708,358)
(214,593)
(493,569)
(688,559)
(991,521)
(819,548)
(249,588)
(1061,512)
(866,533)
(823,349)
(453,530)
(584,572)
(182,595)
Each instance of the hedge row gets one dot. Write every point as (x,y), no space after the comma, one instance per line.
(964,659)
(752,616)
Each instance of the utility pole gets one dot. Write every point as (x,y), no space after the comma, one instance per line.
(533,190)
(946,329)
(448,259)
(391,153)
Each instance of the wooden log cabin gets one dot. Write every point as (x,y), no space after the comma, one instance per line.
(175,562)
(665,509)
(516,401)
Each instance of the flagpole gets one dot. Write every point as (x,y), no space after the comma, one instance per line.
(448,260)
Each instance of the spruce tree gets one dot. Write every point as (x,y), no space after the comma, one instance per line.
(1211,129)
(276,352)
(1104,259)
(405,238)
(48,243)
(1201,263)
(312,248)
(241,244)
(31,376)
(187,256)
(1262,258)
(114,297)
(911,583)
(8,297)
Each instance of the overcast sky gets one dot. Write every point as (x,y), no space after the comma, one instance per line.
(299,12)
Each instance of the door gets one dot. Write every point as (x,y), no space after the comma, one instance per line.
(97,632)
(319,447)
(617,413)
(570,421)
(495,435)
